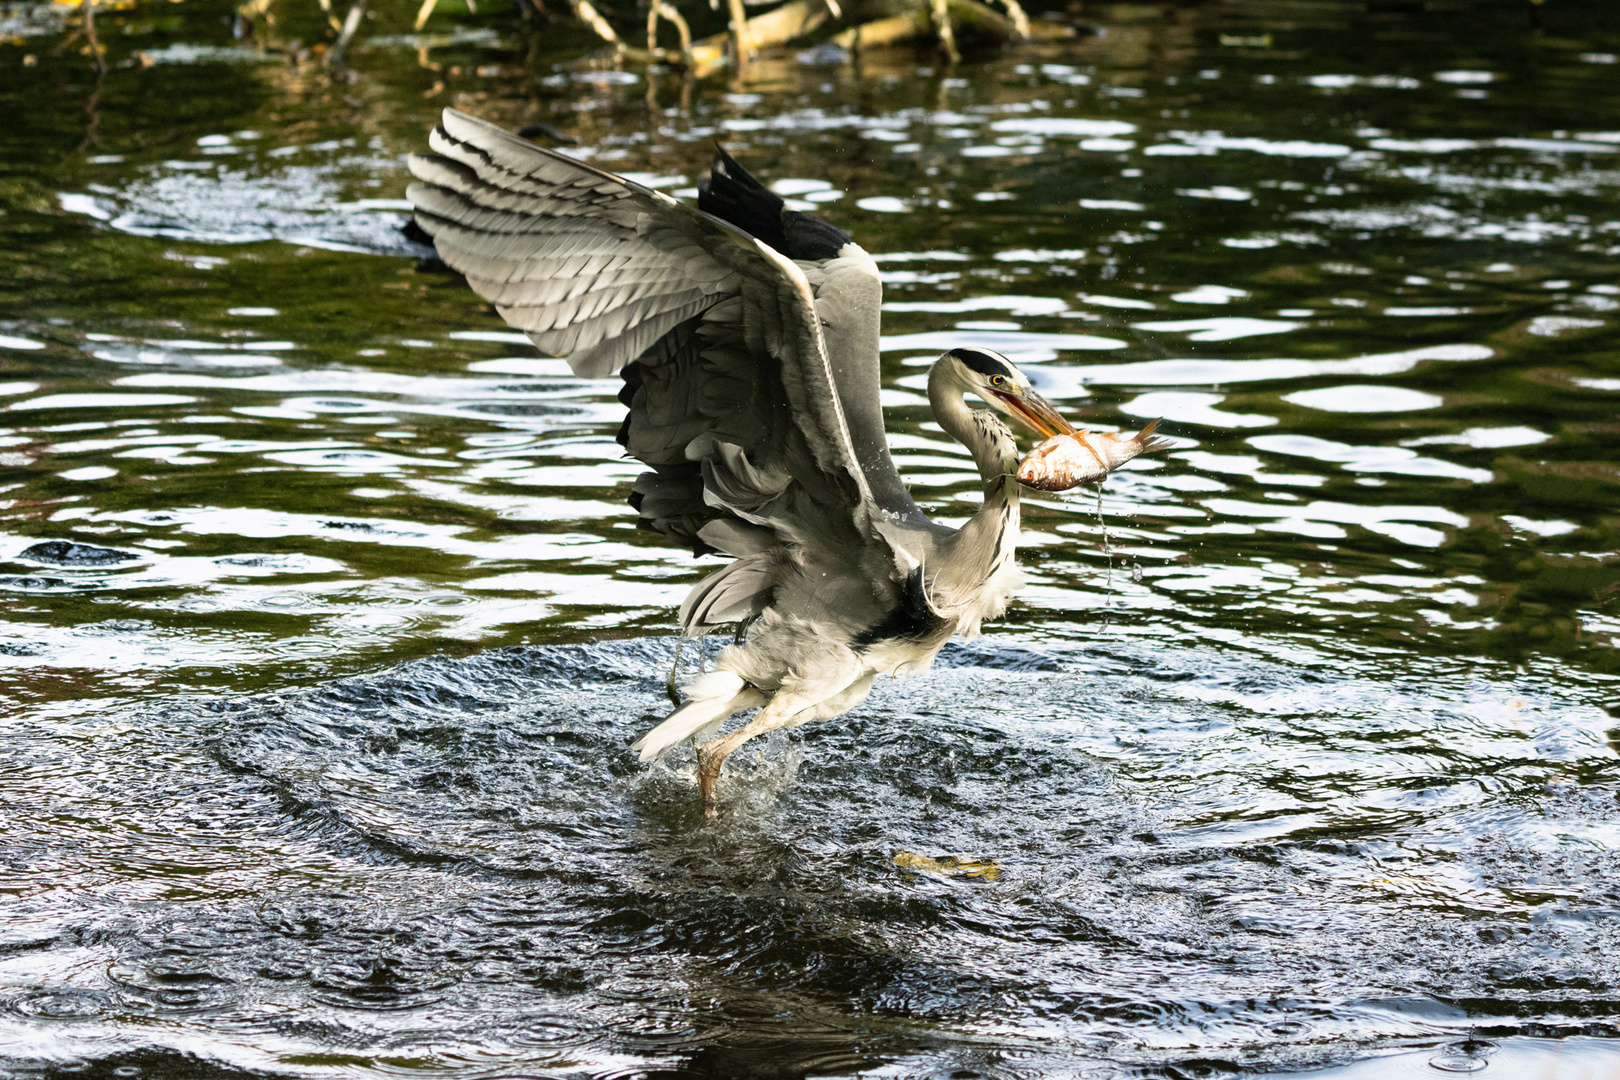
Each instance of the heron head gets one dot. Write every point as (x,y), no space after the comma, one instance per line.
(1005,389)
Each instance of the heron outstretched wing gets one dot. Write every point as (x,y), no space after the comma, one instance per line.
(733,400)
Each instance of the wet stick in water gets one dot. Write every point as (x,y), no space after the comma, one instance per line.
(948,866)
(672,685)
(336,55)
(941,14)
(88,9)
(740,43)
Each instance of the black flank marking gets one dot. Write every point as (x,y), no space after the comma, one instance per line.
(414,232)
(633,378)
(912,620)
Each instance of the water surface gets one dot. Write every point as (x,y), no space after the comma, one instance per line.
(326,627)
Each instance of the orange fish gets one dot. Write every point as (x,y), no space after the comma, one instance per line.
(1066,461)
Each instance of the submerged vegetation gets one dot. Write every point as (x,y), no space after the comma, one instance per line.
(852,25)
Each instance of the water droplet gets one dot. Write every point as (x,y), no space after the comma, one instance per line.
(1467,1056)
(1136,571)
(1457,1063)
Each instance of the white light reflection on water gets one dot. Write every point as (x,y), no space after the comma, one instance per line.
(1361,398)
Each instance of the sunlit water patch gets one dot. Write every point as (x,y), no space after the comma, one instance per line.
(236,190)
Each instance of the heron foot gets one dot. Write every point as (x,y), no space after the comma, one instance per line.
(780,711)
(711,756)
(709,763)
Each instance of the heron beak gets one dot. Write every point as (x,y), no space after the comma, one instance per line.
(1037,412)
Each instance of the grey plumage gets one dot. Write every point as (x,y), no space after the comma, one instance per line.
(751,381)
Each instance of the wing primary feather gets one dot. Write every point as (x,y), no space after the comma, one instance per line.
(732,399)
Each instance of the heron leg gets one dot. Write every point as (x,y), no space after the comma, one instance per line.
(713,754)
(786,709)
(671,684)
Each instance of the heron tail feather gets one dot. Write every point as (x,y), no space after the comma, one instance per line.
(731,194)
(712,698)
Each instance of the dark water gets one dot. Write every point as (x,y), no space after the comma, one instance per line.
(326,628)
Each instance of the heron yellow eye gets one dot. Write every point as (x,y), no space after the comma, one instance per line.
(996,380)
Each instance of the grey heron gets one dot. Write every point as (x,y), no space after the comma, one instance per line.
(746,336)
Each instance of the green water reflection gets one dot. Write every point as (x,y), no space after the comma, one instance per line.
(1445,217)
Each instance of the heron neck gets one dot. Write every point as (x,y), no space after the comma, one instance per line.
(980,430)
(973,571)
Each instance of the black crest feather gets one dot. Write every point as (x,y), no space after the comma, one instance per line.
(984,361)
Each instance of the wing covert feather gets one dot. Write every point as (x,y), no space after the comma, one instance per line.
(733,399)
